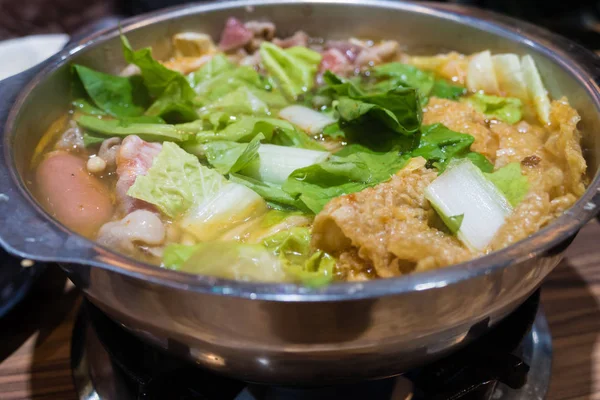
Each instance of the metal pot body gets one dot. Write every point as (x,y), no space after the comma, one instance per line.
(282,333)
(281,342)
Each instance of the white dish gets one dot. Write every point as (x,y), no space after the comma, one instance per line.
(20,54)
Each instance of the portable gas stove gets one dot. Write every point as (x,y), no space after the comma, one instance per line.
(511,362)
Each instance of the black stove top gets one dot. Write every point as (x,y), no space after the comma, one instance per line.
(112,364)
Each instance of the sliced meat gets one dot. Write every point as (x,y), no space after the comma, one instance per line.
(391,226)
(334,61)
(377,54)
(348,49)
(299,38)
(261,29)
(76,198)
(461,117)
(134,158)
(235,35)
(139,228)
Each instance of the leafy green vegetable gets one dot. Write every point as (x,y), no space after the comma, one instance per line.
(317,184)
(175,255)
(149,128)
(219,84)
(85,107)
(243,130)
(215,66)
(293,69)
(511,182)
(90,139)
(173,106)
(294,251)
(439,145)
(228,157)
(397,109)
(240,101)
(176,181)
(116,95)
(398,74)
(446,90)
(294,138)
(505,109)
(454,222)
(274,217)
(276,197)
(206,204)
(407,75)
(231,260)
(156,76)
(275,163)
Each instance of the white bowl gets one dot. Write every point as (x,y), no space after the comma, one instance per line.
(20,54)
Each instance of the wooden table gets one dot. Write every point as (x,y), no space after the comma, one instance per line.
(35,337)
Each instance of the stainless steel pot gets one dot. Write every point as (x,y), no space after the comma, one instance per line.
(283,333)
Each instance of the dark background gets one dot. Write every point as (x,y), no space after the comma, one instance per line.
(577,19)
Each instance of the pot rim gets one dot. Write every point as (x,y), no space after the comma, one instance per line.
(560,50)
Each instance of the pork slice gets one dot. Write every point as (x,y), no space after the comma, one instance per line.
(348,49)
(335,61)
(134,159)
(141,227)
(299,38)
(235,35)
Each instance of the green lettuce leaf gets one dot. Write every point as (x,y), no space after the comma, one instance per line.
(156,76)
(221,83)
(351,172)
(440,145)
(215,66)
(86,107)
(294,251)
(292,137)
(446,90)
(152,129)
(243,130)
(511,182)
(398,74)
(275,196)
(176,181)
(173,106)
(293,69)
(115,95)
(407,76)
(397,109)
(242,100)
(507,109)
(228,157)
(91,139)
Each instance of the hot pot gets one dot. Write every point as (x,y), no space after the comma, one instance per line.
(284,333)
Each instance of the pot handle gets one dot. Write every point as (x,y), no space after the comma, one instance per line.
(24,231)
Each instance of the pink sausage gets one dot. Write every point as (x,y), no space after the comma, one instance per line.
(76,198)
